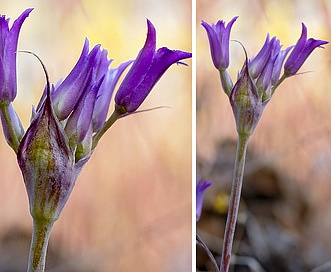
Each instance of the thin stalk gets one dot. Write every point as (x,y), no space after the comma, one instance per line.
(234,202)
(112,119)
(226,82)
(15,136)
(210,255)
(38,249)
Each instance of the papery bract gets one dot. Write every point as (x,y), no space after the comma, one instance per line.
(246,103)
(47,165)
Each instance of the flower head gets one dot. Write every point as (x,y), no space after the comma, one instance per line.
(200,192)
(301,52)
(256,84)
(8,51)
(58,141)
(219,36)
(260,76)
(145,72)
(81,101)
(71,115)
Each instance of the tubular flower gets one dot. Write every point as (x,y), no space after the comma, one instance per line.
(266,66)
(301,52)
(145,72)
(8,48)
(82,99)
(200,192)
(219,37)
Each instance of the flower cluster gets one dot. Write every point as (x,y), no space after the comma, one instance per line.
(72,114)
(260,75)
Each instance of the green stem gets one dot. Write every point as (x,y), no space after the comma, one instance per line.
(234,202)
(283,77)
(210,255)
(226,82)
(112,119)
(38,249)
(15,136)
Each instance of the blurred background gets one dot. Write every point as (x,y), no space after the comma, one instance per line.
(284,220)
(131,207)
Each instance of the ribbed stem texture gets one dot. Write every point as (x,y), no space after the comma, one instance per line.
(234,202)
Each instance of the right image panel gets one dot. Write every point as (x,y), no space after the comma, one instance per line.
(263,189)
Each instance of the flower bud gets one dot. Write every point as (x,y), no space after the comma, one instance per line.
(47,165)
(246,103)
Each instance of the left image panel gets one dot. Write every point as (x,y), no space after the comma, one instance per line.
(97,176)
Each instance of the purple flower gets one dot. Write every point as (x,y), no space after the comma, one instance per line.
(200,192)
(266,66)
(301,51)
(8,49)
(146,70)
(219,36)
(82,99)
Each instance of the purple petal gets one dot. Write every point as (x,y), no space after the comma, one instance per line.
(8,47)
(301,51)
(79,121)
(214,43)
(146,71)
(200,192)
(162,60)
(278,65)
(258,62)
(83,75)
(105,93)
(140,66)
(219,37)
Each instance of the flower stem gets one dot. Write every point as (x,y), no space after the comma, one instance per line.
(112,119)
(210,255)
(226,82)
(12,125)
(234,202)
(38,249)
